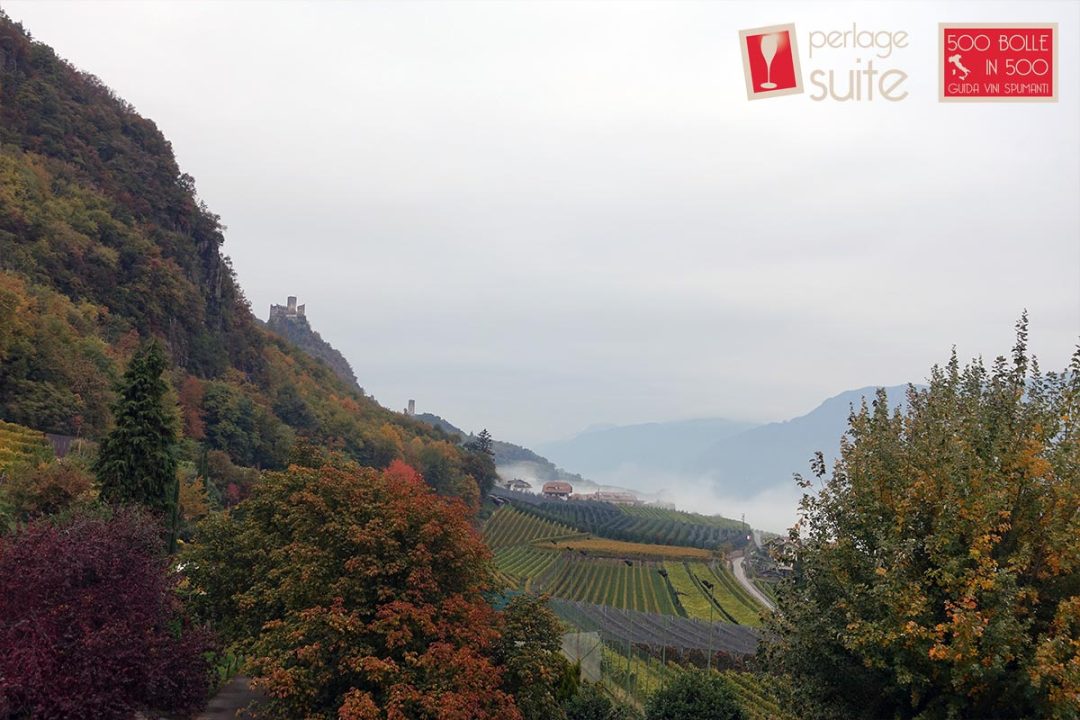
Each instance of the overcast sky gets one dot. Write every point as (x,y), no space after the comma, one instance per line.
(534,217)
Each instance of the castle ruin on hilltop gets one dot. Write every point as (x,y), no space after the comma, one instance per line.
(291,322)
(280,312)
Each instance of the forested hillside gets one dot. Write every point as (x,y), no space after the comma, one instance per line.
(103,244)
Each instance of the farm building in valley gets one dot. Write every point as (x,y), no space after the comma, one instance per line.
(558,489)
(616,497)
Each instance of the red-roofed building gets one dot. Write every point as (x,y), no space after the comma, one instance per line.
(558,489)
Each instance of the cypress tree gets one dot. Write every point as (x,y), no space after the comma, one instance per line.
(136,462)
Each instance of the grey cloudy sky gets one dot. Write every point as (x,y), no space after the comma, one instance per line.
(538,216)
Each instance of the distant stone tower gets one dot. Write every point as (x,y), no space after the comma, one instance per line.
(411,410)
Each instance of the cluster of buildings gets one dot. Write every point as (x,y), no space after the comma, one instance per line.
(560,490)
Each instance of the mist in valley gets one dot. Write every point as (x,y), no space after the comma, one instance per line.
(772,508)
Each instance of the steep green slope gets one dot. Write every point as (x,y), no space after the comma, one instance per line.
(104,243)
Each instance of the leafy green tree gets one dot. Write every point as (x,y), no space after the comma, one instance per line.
(937,572)
(482,443)
(137,461)
(592,703)
(537,674)
(694,695)
(479,461)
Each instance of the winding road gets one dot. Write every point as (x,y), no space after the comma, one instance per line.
(740,575)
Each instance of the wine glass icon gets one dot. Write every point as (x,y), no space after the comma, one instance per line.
(769,45)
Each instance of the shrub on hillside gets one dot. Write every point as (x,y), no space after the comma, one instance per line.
(694,695)
(47,488)
(91,625)
(592,703)
(536,672)
(356,594)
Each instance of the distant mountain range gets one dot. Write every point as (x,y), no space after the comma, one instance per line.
(662,446)
(738,459)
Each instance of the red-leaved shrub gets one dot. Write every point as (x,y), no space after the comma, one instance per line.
(90,626)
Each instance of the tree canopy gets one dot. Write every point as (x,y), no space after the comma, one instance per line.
(91,624)
(694,695)
(936,573)
(356,593)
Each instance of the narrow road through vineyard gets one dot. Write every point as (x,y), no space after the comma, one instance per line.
(740,575)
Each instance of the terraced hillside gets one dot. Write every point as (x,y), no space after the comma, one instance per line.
(535,552)
(18,443)
(658,605)
(508,527)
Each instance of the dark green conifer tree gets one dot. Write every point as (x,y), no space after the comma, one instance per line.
(136,462)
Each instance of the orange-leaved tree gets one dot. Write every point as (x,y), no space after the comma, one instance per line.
(355,594)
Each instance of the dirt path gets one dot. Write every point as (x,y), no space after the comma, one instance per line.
(231,702)
(740,575)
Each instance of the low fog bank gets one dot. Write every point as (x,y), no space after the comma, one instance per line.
(773,509)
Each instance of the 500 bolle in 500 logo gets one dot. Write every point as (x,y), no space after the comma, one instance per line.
(980,62)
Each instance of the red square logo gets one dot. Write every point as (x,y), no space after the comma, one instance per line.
(997,62)
(770,61)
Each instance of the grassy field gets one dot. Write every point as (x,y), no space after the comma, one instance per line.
(728,600)
(603,547)
(732,596)
(693,601)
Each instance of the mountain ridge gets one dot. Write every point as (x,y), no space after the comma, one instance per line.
(104,244)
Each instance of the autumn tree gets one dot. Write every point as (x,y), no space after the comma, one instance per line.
(936,572)
(137,460)
(47,488)
(356,594)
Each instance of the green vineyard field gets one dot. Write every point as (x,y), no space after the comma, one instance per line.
(732,596)
(637,586)
(729,601)
(508,527)
(678,516)
(633,524)
(752,692)
(18,443)
(521,563)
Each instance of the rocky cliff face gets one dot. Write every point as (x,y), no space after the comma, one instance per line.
(290,322)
